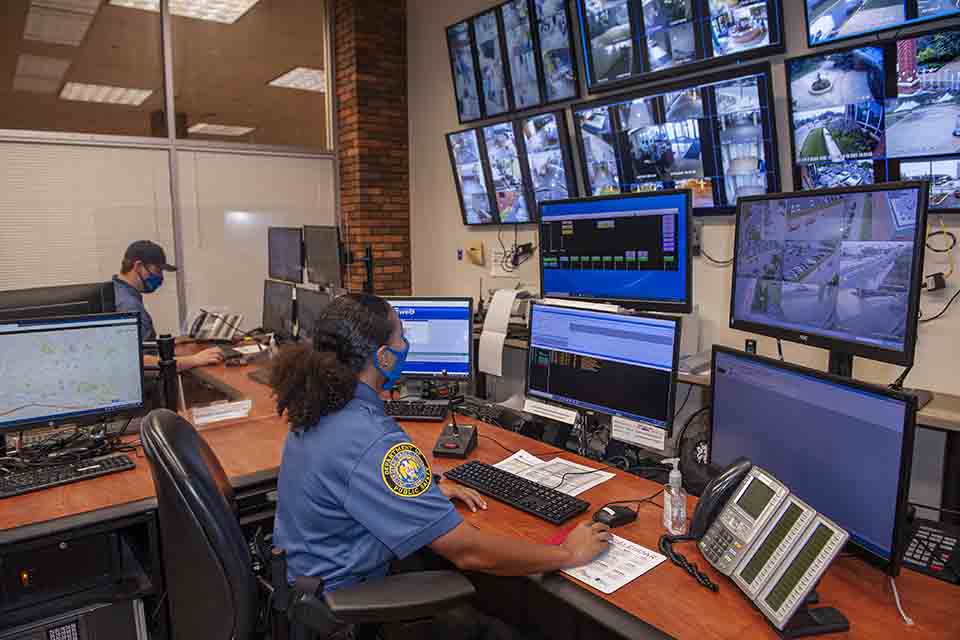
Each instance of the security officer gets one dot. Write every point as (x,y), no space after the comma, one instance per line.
(141,271)
(354,492)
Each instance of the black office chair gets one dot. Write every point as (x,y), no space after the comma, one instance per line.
(212,590)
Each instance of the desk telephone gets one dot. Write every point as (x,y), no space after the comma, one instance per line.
(774,546)
(215,327)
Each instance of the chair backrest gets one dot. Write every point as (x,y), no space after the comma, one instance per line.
(211,589)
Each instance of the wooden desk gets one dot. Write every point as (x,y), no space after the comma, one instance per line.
(665,598)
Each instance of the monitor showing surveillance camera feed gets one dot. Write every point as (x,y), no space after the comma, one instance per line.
(521,54)
(546,142)
(492,76)
(504,162)
(460,43)
(471,180)
(831,20)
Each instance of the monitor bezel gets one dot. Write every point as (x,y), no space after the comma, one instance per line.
(671,402)
(906,24)
(33,301)
(291,230)
(470,338)
(306,252)
(774,178)
(893,565)
(904,358)
(293,311)
(96,416)
(691,68)
(638,305)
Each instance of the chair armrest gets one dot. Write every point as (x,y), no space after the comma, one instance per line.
(399,598)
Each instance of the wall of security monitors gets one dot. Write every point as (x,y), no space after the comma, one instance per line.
(883,111)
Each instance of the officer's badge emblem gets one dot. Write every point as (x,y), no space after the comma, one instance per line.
(406,471)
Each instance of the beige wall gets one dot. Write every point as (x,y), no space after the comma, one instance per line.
(437,231)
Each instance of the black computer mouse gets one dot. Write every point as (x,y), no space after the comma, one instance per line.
(615,516)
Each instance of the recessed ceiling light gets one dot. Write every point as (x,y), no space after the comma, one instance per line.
(39,74)
(224,11)
(204,129)
(54,26)
(77,6)
(80,92)
(303,78)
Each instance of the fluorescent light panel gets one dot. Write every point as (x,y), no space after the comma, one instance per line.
(39,74)
(223,11)
(79,92)
(75,6)
(54,26)
(302,78)
(205,129)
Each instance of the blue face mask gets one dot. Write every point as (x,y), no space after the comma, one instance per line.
(400,359)
(152,282)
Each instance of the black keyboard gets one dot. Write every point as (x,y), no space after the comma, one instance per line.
(417,410)
(523,494)
(46,477)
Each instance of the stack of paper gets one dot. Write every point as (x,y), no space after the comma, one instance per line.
(564,476)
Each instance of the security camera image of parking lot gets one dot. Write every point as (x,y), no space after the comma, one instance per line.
(837,265)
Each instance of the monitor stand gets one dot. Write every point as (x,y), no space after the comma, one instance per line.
(841,364)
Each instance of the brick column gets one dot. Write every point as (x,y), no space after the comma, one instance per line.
(371,72)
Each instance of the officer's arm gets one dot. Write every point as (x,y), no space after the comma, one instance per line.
(471,549)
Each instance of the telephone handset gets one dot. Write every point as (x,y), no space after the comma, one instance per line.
(716,495)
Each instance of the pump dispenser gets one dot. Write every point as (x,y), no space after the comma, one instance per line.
(674,501)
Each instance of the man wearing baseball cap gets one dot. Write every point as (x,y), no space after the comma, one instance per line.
(141,272)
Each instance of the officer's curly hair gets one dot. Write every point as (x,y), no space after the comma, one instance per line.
(312,381)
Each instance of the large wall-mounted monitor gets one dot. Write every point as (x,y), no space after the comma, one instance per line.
(630,249)
(53,302)
(548,157)
(470,177)
(507,174)
(628,41)
(839,269)
(881,112)
(832,20)
(717,139)
(827,433)
(513,57)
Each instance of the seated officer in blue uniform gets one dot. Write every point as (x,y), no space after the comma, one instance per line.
(354,492)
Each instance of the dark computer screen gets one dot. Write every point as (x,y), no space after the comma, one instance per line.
(52,302)
(309,306)
(619,365)
(285,253)
(842,447)
(838,269)
(440,332)
(278,308)
(322,248)
(631,248)
(77,368)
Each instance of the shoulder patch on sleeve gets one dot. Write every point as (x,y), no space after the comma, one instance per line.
(406,471)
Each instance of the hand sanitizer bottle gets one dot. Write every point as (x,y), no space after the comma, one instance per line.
(674,501)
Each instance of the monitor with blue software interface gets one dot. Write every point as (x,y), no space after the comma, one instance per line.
(71,369)
(843,447)
(632,249)
(440,332)
(619,365)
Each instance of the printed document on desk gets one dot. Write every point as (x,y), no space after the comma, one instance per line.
(576,478)
(619,565)
(519,462)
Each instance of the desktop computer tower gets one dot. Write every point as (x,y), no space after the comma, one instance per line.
(117,621)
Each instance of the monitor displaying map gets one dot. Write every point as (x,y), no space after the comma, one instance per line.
(60,369)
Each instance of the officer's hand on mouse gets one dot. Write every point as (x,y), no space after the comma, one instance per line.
(586,542)
(467,496)
(205,357)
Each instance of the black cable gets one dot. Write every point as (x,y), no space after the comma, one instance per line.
(780,348)
(639,501)
(898,383)
(949,235)
(942,311)
(666,548)
(498,443)
(685,401)
(686,424)
(563,477)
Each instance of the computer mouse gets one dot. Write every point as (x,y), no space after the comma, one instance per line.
(615,516)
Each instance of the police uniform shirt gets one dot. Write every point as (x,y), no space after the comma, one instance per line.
(355,494)
(129,300)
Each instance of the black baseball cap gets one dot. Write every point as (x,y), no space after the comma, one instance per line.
(149,253)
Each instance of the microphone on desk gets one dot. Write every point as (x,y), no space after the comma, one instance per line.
(245,334)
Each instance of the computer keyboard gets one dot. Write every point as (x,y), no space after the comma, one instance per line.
(418,410)
(46,477)
(520,493)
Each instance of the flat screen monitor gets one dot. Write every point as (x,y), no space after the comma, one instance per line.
(833,20)
(834,268)
(843,447)
(717,139)
(547,156)
(493,77)
(632,249)
(620,365)
(285,253)
(440,333)
(74,369)
(628,41)
(322,248)
(507,174)
(52,302)
(521,54)
(556,50)
(310,304)
(278,308)
(470,176)
(463,66)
